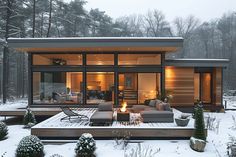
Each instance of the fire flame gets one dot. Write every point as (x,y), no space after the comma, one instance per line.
(123,108)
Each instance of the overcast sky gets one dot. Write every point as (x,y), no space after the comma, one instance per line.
(203,9)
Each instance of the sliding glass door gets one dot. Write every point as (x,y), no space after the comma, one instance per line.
(135,88)
(202,87)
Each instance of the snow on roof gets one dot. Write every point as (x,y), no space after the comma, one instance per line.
(197,62)
(199,59)
(102,38)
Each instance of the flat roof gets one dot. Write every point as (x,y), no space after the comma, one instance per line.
(97,44)
(197,62)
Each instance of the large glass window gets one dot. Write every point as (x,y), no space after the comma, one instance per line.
(202,87)
(139,59)
(135,88)
(100,87)
(100,59)
(206,87)
(57,87)
(57,59)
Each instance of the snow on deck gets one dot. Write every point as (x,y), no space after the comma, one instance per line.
(54,122)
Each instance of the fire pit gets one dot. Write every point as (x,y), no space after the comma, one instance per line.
(123,113)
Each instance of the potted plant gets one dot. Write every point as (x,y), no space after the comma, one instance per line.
(183,120)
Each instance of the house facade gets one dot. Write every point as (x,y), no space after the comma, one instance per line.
(86,71)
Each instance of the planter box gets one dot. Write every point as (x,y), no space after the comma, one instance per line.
(182,122)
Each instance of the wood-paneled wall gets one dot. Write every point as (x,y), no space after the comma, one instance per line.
(180,82)
(217,86)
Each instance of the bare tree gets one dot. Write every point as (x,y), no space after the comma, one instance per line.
(156,25)
(34,14)
(49,18)
(185,28)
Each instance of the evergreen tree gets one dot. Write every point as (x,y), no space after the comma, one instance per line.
(29,118)
(199,131)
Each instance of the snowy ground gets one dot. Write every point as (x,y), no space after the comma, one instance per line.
(22,103)
(216,142)
(216,146)
(230,98)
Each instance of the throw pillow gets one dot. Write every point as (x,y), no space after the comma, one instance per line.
(160,106)
(167,107)
(152,103)
(106,106)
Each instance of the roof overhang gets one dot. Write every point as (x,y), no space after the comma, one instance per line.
(197,62)
(98,44)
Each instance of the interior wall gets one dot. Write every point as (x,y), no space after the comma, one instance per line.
(146,86)
(39,60)
(102,81)
(180,83)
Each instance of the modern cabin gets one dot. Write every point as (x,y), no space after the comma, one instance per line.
(83,72)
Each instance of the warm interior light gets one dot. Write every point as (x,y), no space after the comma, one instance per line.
(123,108)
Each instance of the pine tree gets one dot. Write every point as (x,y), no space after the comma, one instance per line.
(199,131)
(29,118)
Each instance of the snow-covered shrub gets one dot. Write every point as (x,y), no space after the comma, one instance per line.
(29,119)
(56,155)
(3,154)
(140,151)
(231,146)
(85,146)
(199,124)
(121,138)
(234,123)
(3,130)
(213,123)
(30,146)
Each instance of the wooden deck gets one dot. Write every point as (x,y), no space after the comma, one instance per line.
(53,128)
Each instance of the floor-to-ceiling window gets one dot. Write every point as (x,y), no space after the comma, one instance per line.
(135,88)
(203,87)
(92,78)
(57,87)
(100,87)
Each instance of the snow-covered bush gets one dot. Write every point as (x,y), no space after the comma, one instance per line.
(199,124)
(212,123)
(121,138)
(56,155)
(234,123)
(29,119)
(85,146)
(140,151)
(198,140)
(30,146)
(3,130)
(231,146)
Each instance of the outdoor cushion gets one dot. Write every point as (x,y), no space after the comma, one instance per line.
(160,106)
(153,113)
(105,106)
(152,103)
(102,117)
(157,116)
(138,108)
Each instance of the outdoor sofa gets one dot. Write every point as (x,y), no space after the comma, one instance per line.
(104,114)
(155,112)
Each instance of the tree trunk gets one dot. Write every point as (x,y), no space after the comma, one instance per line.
(33,29)
(5,54)
(50,18)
